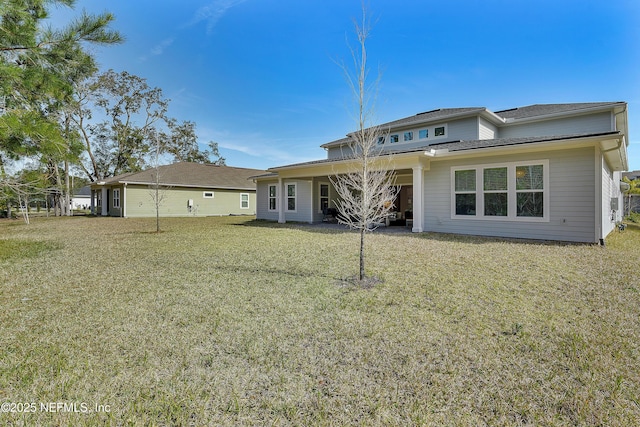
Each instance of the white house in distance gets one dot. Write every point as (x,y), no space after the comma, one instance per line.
(545,171)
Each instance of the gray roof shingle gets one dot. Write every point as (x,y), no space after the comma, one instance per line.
(187,174)
(463,145)
(548,109)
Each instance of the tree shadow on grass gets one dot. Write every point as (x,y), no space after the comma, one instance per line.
(333,228)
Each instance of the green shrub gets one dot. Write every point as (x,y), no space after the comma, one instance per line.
(634,217)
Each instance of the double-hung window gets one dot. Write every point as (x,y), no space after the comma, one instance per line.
(465,192)
(324,197)
(273,197)
(291,197)
(516,191)
(116,198)
(495,191)
(244,201)
(530,190)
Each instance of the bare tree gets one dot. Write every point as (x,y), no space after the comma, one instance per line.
(157,191)
(366,191)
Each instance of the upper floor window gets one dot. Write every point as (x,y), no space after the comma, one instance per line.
(439,131)
(380,140)
(408,136)
(423,133)
(393,138)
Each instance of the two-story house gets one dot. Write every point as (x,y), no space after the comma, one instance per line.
(547,171)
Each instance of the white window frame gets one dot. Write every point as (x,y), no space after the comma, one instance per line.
(287,197)
(320,197)
(205,194)
(274,197)
(446,131)
(511,192)
(116,198)
(244,194)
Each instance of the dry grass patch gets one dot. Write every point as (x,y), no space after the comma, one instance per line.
(227,321)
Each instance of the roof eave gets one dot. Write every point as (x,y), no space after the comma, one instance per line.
(588,110)
(480,110)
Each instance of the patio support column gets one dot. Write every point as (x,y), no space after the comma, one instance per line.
(93,203)
(281,200)
(123,201)
(105,202)
(418,206)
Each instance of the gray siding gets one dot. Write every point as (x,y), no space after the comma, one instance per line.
(262,201)
(304,202)
(456,130)
(486,130)
(462,129)
(591,123)
(571,199)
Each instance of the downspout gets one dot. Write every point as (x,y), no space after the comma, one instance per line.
(598,195)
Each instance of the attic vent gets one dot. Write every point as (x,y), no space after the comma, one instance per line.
(427,112)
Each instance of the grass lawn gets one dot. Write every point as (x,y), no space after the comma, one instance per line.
(228,321)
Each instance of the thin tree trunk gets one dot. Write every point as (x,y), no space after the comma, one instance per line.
(362,231)
(67,189)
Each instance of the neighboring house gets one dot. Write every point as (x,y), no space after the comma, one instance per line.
(81,199)
(186,189)
(540,172)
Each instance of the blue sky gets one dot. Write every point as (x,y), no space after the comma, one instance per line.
(260,76)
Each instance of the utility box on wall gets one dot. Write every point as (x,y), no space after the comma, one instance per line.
(614,203)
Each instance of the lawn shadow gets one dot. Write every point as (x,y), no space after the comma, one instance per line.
(335,228)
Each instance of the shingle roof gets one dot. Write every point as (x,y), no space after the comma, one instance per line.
(427,116)
(548,109)
(501,142)
(527,112)
(463,145)
(439,114)
(187,174)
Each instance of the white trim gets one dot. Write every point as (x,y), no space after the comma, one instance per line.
(104,201)
(286,196)
(124,200)
(320,184)
(275,197)
(280,201)
(511,192)
(115,195)
(244,194)
(418,199)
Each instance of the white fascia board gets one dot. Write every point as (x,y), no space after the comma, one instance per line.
(560,114)
(168,184)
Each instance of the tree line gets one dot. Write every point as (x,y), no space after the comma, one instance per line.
(60,118)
